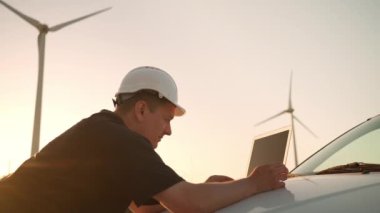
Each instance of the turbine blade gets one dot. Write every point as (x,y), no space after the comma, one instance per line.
(304,126)
(28,19)
(270,118)
(290,91)
(60,26)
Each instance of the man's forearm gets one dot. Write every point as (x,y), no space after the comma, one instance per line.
(209,197)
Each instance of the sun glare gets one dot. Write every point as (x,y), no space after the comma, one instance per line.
(14,140)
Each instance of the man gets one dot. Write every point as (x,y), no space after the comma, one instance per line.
(107,162)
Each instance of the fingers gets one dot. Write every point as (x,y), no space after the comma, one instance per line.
(279,184)
(280,172)
(269,177)
(280,168)
(283,176)
(277,170)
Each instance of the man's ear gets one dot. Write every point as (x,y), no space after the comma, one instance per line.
(140,110)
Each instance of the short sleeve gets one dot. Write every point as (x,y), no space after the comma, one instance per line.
(147,173)
(135,170)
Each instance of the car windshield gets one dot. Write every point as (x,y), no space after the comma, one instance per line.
(358,147)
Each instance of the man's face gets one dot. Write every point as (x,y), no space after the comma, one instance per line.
(156,124)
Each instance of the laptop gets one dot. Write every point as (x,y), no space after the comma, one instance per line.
(271,147)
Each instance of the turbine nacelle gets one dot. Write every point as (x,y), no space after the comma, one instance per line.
(290,110)
(43,28)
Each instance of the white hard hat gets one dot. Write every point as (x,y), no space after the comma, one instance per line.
(151,78)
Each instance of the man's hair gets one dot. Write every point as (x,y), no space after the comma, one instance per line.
(126,101)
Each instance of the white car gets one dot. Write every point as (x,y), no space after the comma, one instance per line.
(344,176)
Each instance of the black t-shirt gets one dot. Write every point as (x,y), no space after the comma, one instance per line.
(98,165)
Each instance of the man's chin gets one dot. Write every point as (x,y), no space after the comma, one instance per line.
(155,145)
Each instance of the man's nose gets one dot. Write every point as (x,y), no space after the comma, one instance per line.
(168,130)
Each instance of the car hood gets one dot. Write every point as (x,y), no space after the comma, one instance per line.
(354,192)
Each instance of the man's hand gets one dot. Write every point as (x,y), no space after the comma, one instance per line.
(269,177)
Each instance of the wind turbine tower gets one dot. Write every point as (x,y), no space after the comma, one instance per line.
(43,30)
(290,110)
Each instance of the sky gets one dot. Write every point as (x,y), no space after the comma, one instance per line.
(231,60)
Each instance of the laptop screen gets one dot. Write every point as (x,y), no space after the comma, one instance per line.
(270,148)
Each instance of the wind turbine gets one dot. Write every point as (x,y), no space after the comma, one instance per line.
(43,30)
(290,110)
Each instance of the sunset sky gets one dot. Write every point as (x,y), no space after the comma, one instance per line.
(231,60)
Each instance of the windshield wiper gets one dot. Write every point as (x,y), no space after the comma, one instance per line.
(354,167)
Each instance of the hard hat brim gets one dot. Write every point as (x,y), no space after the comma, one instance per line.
(179,111)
